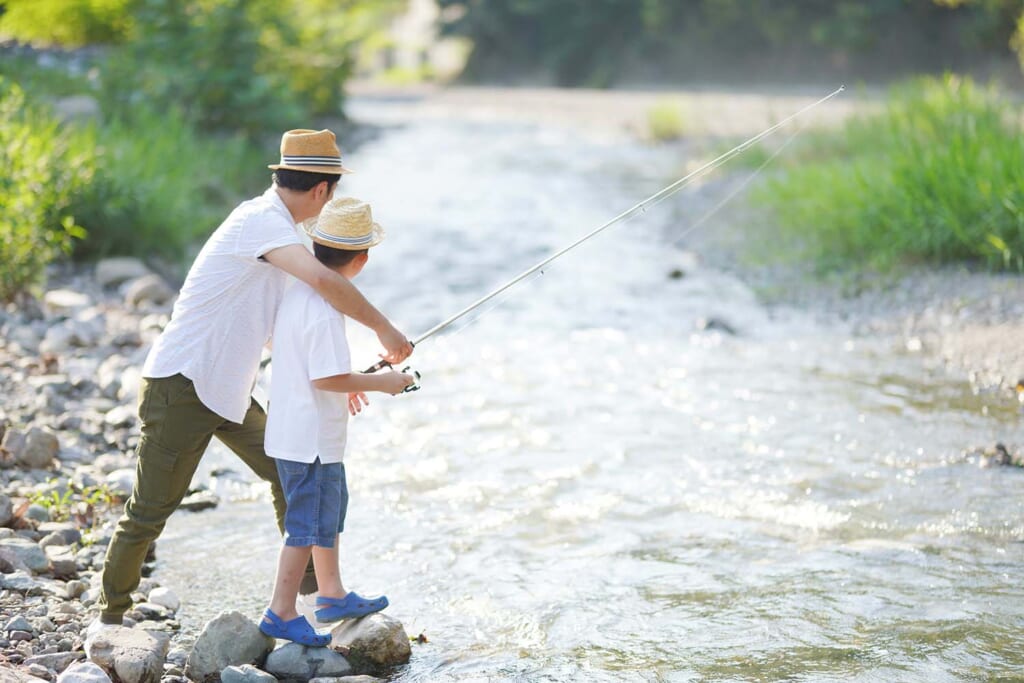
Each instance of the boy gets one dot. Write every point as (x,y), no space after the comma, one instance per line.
(200,372)
(312,390)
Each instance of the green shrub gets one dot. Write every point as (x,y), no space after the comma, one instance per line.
(43,171)
(665,121)
(936,176)
(70,23)
(44,81)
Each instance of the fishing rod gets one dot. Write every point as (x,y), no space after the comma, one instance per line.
(641,206)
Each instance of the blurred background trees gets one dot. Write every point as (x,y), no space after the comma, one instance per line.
(184,98)
(612,42)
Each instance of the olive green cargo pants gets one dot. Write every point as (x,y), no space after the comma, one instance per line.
(176,429)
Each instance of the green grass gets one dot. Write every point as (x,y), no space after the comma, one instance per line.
(937,176)
(159,187)
(666,121)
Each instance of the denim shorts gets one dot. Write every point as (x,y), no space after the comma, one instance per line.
(317,497)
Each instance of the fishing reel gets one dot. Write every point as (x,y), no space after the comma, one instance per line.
(380,365)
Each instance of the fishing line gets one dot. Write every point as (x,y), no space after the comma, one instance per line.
(742,186)
(640,207)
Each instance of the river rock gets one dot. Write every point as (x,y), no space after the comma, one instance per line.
(65,530)
(27,552)
(347,679)
(148,289)
(18,623)
(6,509)
(200,500)
(40,449)
(62,562)
(56,661)
(120,482)
(247,673)
(84,672)
(120,416)
(58,339)
(296,662)
(230,639)
(37,513)
(64,301)
(165,597)
(111,272)
(9,674)
(129,655)
(373,642)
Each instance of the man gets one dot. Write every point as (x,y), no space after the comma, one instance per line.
(199,375)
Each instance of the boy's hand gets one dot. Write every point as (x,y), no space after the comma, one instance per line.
(356,401)
(395,383)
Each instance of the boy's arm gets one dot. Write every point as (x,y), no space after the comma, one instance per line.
(342,295)
(387,382)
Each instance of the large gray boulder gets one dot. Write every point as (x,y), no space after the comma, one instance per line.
(374,642)
(129,655)
(84,672)
(294,662)
(229,639)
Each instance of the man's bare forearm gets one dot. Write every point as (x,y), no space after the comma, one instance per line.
(345,297)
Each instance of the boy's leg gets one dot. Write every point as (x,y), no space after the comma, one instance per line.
(176,429)
(328,572)
(291,568)
(246,440)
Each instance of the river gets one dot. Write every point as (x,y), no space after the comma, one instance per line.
(590,487)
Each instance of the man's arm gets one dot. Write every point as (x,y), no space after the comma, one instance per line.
(296,260)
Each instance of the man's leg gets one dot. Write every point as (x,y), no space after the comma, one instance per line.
(176,429)
(246,440)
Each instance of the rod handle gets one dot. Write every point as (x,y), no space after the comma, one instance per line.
(381,364)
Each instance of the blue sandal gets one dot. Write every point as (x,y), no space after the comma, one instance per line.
(297,630)
(351,606)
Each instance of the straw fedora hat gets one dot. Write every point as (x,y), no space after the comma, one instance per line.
(345,223)
(312,151)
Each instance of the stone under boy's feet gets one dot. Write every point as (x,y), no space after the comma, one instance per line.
(96,627)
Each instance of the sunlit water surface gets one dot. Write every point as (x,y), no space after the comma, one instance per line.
(588,488)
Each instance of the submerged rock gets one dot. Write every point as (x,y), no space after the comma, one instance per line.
(373,642)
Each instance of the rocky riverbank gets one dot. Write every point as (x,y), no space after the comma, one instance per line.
(69,375)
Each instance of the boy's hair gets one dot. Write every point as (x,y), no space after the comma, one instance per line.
(303,181)
(334,258)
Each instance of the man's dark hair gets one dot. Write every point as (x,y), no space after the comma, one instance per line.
(333,258)
(303,181)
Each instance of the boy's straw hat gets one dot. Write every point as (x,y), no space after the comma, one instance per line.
(345,223)
(312,151)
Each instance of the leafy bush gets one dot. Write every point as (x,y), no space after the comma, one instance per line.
(43,172)
(665,121)
(70,23)
(937,176)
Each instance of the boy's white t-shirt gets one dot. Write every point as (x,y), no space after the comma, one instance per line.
(225,312)
(309,343)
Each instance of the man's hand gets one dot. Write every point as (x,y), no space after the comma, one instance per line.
(356,402)
(397,347)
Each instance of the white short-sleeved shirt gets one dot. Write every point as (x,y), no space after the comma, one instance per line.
(225,312)
(309,343)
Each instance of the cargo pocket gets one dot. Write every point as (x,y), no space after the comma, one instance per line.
(155,482)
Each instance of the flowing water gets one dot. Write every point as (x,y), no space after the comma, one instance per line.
(590,488)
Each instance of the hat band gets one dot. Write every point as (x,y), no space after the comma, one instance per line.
(360,241)
(309,160)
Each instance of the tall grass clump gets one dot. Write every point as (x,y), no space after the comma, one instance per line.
(936,176)
(159,186)
(43,172)
(665,121)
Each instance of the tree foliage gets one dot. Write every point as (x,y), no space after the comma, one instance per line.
(601,42)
